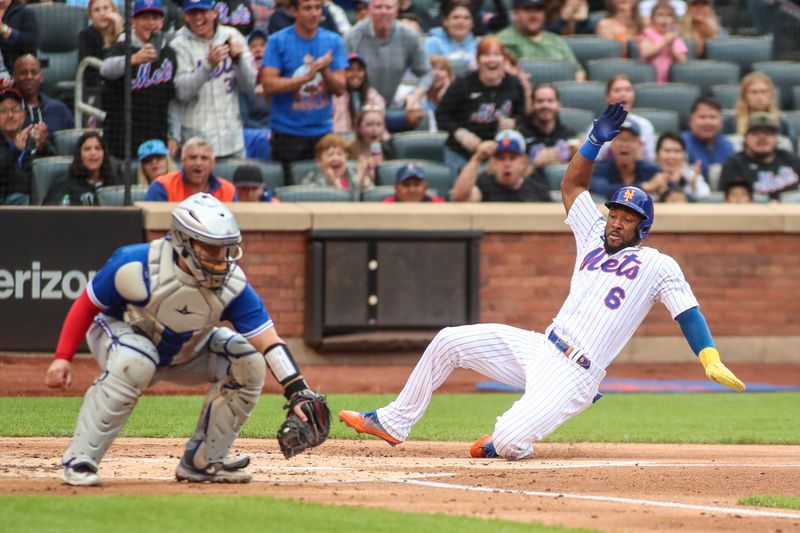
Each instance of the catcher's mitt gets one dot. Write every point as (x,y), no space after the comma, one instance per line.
(294,435)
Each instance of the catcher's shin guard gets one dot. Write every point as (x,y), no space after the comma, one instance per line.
(229,403)
(110,400)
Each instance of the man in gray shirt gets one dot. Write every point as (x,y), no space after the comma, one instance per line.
(388,48)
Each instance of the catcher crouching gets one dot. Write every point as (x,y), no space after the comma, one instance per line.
(150,314)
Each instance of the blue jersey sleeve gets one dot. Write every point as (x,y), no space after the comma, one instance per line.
(273,54)
(339,54)
(102,290)
(247,313)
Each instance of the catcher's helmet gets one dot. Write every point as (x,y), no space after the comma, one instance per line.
(203,218)
(638,201)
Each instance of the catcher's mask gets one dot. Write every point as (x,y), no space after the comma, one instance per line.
(205,234)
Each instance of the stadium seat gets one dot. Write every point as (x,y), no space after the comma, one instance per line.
(677,97)
(301,169)
(714,173)
(438,175)
(578,120)
(309,193)
(59,26)
(590,95)
(704,73)
(272,171)
(604,69)
(377,194)
(547,70)
(46,171)
(589,47)
(796,96)
(66,140)
(786,76)
(554,174)
(663,120)
(790,197)
(115,194)
(420,145)
(744,51)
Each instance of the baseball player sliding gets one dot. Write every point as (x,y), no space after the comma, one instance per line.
(614,284)
(150,314)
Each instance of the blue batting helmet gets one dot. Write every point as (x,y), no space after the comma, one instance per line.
(637,201)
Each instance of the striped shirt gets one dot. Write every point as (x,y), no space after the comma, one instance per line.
(611,295)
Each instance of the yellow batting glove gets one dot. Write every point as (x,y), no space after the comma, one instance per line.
(718,372)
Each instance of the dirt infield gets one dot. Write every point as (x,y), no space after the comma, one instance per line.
(612,487)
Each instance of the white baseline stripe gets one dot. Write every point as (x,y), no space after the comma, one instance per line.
(613,499)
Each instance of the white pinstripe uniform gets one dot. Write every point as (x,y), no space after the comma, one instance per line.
(608,300)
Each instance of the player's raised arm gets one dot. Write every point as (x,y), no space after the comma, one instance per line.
(579,172)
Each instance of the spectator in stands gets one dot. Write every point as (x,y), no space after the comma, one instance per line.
(284,16)
(513,69)
(303,69)
(479,104)
(92,167)
(388,48)
(236,14)
(339,16)
(362,9)
(253,106)
(675,194)
(95,39)
(5,76)
(486,22)
(527,38)
(214,63)
(547,138)
(677,173)
(371,146)
(738,192)
(408,7)
(767,168)
(20,147)
(19,31)
(568,17)
(704,141)
(333,171)
(410,185)
(442,77)
(250,185)
(509,176)
(38,106)
(700,24)
(154,161)
(622,23)
(626,166)
(197,158)
(152,83)
(660,44)
(620,89)
(756,95)
(357,94)
(454,39)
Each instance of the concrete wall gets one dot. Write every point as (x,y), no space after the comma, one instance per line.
(743,263)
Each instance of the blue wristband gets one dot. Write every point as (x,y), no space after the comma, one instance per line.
(589,150)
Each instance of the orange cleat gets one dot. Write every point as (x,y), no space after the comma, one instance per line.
(367,423)
(483,448)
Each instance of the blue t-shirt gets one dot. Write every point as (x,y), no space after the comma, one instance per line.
(246,311)
(696,149)
(606,178)
(308,111)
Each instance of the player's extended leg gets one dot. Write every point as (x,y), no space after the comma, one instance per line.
(228,405)
(494,350)
(557,389)
(128,361)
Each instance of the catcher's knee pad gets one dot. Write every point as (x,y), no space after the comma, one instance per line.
(247,366)
(107,405)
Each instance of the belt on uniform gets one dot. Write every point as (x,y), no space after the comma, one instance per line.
(564,347)
(567,350)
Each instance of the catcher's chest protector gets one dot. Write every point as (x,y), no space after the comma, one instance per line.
(178,311)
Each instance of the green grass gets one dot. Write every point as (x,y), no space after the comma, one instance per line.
(200,513)
(781,502)
(668,418)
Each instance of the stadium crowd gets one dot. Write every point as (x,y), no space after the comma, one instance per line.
(393,100)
